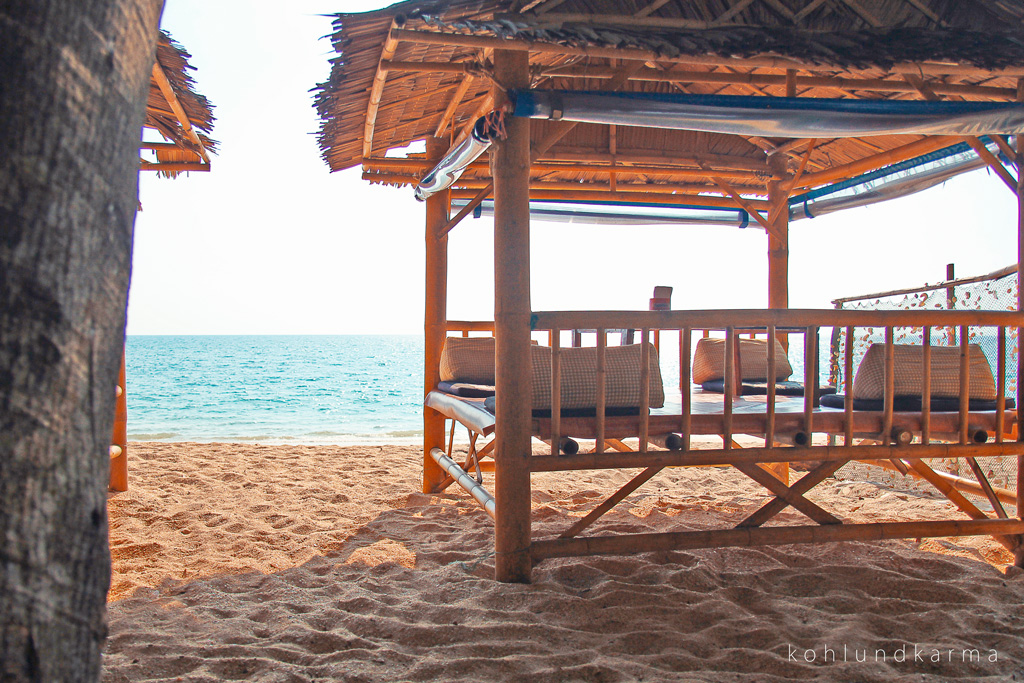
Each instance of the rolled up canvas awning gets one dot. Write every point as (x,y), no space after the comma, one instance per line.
(773,116)
(457,160)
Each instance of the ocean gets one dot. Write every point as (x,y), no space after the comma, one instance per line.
(348,389)
(344,390)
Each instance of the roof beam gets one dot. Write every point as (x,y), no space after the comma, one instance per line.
(745,205)
(802,14)
(553,20)
(179,112)
(462,40)
(176,166)
(993,162)
(453,106)
(977,145)
(781,9)
(892,156)
(651,8)
(422,165)
(732,78)
(640,197)
(1004,146)
(377,89)
(863,13)
(571,185)
(732,12)
(803,166)
(716,161)
(925,10)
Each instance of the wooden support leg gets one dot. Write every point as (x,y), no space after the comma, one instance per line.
(1011,543)
(617,445)
(768,480)
(616,498)
(435,321)
(119,440)
(510,168)
(802,486)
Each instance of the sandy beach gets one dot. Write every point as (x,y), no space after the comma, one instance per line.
(297,563)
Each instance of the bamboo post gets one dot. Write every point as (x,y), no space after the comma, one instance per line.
(435,319)
(950,302)
(778,244)
(510,168)
(780,470)
(119,439)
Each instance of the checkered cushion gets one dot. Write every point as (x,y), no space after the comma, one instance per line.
(869,382)
(709,360)
(579,377)
(468,359)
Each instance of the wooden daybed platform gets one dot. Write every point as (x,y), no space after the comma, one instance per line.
(898,440)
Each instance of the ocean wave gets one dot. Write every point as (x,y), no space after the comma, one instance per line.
(404,433)
(158,436)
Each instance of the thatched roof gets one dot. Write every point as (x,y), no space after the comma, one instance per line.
(189,145)
(879,49)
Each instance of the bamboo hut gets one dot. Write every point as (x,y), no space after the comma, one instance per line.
(621,102)
(184,118)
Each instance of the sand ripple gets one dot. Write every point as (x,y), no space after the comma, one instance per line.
(237,562)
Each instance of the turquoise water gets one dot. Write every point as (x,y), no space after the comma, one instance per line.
(351,389)
(275,389)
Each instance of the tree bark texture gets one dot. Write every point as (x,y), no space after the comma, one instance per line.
(74,77)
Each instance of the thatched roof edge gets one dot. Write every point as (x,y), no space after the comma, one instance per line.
(174,60)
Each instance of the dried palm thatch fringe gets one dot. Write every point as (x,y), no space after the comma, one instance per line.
(173,60)
(829,39)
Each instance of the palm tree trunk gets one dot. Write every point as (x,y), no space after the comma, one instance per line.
(75,77)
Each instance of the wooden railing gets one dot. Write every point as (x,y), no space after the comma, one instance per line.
(806,323)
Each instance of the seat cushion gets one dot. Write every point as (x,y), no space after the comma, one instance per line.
(761,388)
(912,404)
(489,404)
(908,372)
(579,377)
(709,360)
(468,360)
(466,390)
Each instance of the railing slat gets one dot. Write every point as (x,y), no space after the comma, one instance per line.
(1001,384)
(965,382)
(645,387)
(890,382)
(556,389)
(730,382)
(848,388)
(792,319)
(926,386)
(602,343)
(685,375)
(810,368)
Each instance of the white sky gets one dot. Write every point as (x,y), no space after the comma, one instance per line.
(270,242)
